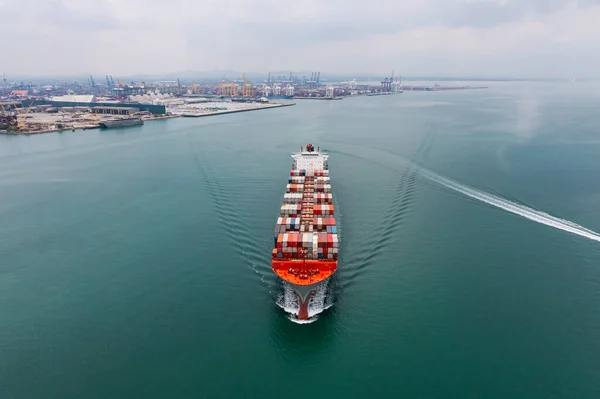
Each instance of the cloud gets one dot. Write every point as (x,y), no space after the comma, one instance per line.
(511,38)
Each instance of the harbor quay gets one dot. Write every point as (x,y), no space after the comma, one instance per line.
(44,107)
(36,117)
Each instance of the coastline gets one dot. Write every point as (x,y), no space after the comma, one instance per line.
(145,119)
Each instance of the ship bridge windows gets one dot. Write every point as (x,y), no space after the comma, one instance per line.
(309,163)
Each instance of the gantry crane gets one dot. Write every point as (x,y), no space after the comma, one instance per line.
(195,88)
(21,118)
(247,90)
(228,89)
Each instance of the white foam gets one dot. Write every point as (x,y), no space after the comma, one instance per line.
(517,209)
(298,321)
(288,301)
(319,302)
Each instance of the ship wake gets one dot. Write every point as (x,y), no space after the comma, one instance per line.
(320,301)
(494,200)
(512,207)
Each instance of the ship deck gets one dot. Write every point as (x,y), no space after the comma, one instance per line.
(299,272)
(305,241)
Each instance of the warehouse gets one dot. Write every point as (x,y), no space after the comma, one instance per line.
(115,110)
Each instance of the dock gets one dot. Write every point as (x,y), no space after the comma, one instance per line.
(317,98)
(440,88)
(39,123)
(213,109)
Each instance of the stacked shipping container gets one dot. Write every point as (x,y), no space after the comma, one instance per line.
(322,188)
(296,172)
(291,210)
(323,209)
(292,198)
(295,188)
(323,198)
(306,228)
(296,180)
(309,246)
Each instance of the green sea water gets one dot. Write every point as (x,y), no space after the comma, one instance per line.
(134,263)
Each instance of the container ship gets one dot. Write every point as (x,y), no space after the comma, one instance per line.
(281,96)
(306,244)
(112,123)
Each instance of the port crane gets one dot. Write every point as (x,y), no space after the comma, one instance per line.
(266,90)
(288,90)
(247,89)
(329,91)
(276,89)
(397,85)
(228,89)
(21,118)
(195,88)
(351,84)
(92,84)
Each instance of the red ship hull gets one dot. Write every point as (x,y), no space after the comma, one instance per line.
(304,277)
(308,272)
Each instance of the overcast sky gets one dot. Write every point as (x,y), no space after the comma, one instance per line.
(495,38)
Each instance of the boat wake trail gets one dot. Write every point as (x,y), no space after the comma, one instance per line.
(238,231)
(319,302)
(512,207)
(496,201)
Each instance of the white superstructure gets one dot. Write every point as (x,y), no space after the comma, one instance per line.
(310,160)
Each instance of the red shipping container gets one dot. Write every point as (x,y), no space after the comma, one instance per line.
(322,240)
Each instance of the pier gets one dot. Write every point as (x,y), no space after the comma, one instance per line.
(44,108)
(222,108)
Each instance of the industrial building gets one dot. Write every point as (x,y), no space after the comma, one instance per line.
(57,102)
(78,99)
(114,110)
